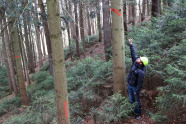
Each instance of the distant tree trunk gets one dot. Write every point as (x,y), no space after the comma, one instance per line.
(68,31)
(43,43)
(118,48)
(88,18)
(148,7)
(133,12)
(107,29)
(98,20)
(144,4)
(92,26)
(77,31)
(155,8)
(15,41)
(5,57)
(125,17)
(82,31)
(59,62)
(130,12)
(47,36)
(9,56)
(24,56)
(72,25)
(140,14)
(32,45)
(37,28)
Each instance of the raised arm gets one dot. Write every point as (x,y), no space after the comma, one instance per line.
(133,53)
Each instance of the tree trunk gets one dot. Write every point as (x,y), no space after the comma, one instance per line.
(98,20)
(140,14)
(133,12)
(125,17)
(15,41)
(5,57)
(88,18)
(148,7)
(37,28)
(9,56)
(73,34)
(77,31)
(107,29)
(144,4)
(155,8)
(118,48)
(68,31)
(82,31)
(24,56)
(59,62)
(47,36)
(43,43)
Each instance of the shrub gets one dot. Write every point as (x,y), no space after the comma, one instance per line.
(45,67)
(9,104)
(40,76)
(114,108)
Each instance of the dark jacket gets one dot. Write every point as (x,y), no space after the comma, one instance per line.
(137,72)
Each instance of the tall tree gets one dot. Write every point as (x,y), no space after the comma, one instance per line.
(125,16)
(155,8)
(82,31)
(118,48)
(28,47)
(99,21)
(77,29)
(9,55)
(59,62)
(37,28)
(47,36)
(133,12)
(15,41)
(144,4)
(88,18)
(107,29)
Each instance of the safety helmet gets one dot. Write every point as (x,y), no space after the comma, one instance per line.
(144,60)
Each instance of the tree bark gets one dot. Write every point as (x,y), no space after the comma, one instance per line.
(155,8)
(24,56)
(59,62)
(134,12)
(82,31)
(43,43)
(125,17)
(9,56)
(98,20)
(144,4)
(77,31)
(118,48)
(88,18)
(15,41)
(47,36)
(148,7)
(107,29)
(37,28)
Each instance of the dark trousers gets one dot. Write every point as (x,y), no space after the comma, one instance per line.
(135,98)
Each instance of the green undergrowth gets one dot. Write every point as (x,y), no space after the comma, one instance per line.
(4,87)
(84,80)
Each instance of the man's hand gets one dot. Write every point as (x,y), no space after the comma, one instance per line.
(130,40)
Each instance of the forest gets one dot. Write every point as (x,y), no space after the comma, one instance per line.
(92,61)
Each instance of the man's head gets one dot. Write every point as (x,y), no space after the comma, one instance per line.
(142,61)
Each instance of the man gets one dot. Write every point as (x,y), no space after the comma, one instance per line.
(135,79)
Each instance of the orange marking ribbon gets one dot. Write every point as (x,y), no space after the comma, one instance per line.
(116,11)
